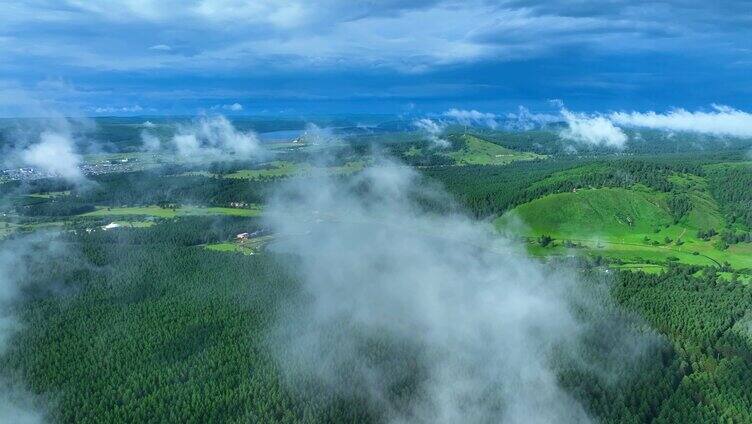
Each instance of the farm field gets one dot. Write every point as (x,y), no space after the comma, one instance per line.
(249,246)
(160,212)
(482,152)
(280,169)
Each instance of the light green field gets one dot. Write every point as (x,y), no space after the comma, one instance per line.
(704,213)
(742,278)
(158,212)
(482,152)
(284,169)
(631,225)
(566,175)
(606,212)
(247,247)
(135,224)
(647,268)
(228,247)
(280,169)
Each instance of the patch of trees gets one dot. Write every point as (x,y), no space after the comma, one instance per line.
(544,240)
(706,234)
(491,190)
(731,237)
(486,190)
(730,187)
(678,205)
(177,333)
(56,209)
(184,231)
(699,313)
(149,188)
(40,186)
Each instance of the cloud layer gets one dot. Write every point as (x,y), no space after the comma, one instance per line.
(207,138)
(217,52)
(54,154)
(606,129)
(471,320)
(18,257)
(722,120)
(473,117)
(336,31)
(592,129)
(433,130)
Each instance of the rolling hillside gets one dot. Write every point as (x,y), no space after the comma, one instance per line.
(477,151)
(634,225)
(596,212)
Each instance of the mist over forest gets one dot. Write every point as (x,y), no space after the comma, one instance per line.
(252,211)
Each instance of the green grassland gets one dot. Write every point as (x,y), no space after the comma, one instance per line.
(160,212)
(477,151)
(246,247)
(704,213)
(283,169)
(630,225)
(607,212)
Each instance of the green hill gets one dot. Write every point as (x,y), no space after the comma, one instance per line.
(634,226)
(592,213)
(705,212)
(477,151)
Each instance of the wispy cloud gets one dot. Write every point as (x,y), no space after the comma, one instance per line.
(55,154)
(207,138)
(722,120)
(476,317)
(161,47)
(380,33)
(121,109)
(232,107)
(473,117)
(525,120)
(433,130)
(592,129)
(18,257)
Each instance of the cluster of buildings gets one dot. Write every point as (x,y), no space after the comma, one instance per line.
(94,168)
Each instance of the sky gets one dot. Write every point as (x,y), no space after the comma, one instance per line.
(142,57)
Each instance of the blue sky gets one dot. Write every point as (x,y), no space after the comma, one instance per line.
(141,57)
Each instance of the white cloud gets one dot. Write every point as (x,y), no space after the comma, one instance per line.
(233,107)
(472,117)
(207,138)
(723,120)
(150,142)
(338,32)
(433,130)
(313,134)
(479,319)
(19,256)
(525,120)
(592,129)
(111,109)
(54,154)
(161,47)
